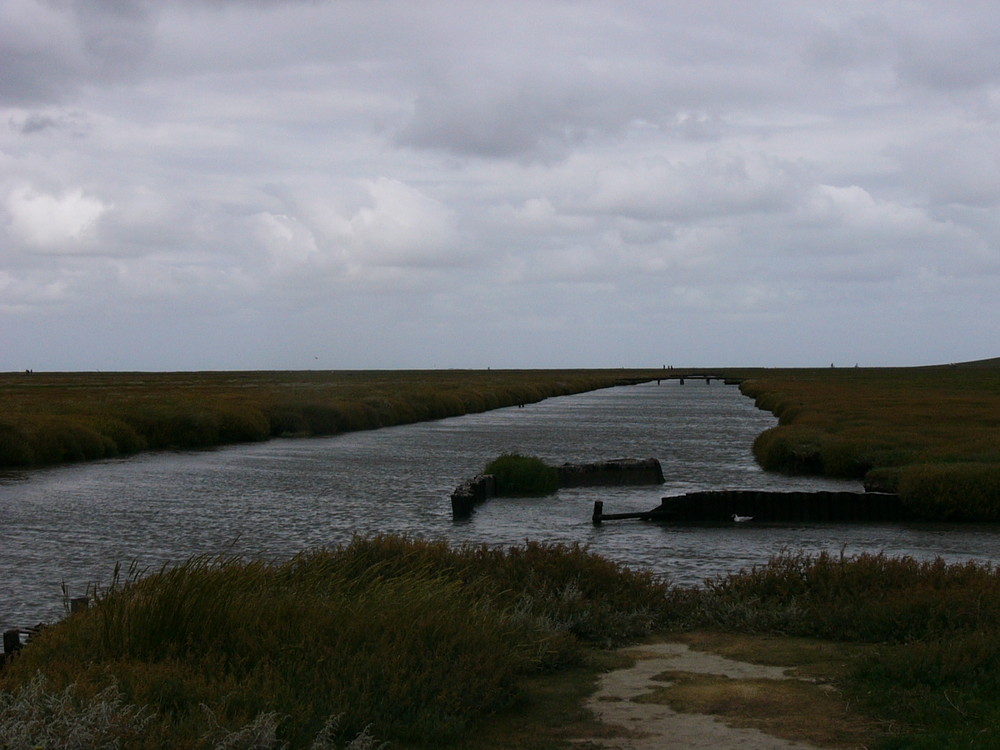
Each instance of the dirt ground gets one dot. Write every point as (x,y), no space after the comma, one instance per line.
(683,699)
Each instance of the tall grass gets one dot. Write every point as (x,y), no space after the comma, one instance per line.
(61,417)
(414,640)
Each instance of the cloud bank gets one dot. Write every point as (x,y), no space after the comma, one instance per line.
(211,184)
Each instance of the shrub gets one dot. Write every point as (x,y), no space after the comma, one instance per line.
(523,476)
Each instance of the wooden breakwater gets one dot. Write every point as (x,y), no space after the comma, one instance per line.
(471,493)
(611,473)
(719,507)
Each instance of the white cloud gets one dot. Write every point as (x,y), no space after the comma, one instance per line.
(61,223)
(402,227)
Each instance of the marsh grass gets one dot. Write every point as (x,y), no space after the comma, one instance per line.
(930,434)
(523,476)
(51,418)
(415,640)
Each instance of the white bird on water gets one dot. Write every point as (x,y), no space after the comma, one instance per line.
(741,519)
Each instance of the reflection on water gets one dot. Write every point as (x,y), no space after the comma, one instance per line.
(72,524)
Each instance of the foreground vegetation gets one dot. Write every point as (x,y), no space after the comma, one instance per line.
(932,673)
(930,434)
(410,641)
(55,418)
(425,645)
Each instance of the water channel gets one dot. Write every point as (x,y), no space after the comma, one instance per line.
(70,525)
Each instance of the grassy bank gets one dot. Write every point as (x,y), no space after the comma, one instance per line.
(425,645)
(51,418)
(409,641)
(928,433)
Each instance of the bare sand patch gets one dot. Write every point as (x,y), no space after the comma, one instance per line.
(679,698)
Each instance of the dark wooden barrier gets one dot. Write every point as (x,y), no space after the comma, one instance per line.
(719,507)
(613,473)
(472,492)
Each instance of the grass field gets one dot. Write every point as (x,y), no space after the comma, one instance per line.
(52,418)
(932,434)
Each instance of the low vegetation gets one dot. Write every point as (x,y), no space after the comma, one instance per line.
(523,476)
(419,644)
(51,418)
(403,640)
(932,672)
(928,433)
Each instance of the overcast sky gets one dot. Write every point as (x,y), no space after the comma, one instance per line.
(275,184)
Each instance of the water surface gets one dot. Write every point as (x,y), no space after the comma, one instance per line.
(72,524)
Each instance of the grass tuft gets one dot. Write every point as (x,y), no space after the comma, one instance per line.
(523,476)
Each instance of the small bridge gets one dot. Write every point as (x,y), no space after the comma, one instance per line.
(708,377)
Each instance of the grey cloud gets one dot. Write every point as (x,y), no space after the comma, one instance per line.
(358,171)
(948,47)
(51,48)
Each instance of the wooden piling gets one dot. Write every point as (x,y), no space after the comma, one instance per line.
(11,641)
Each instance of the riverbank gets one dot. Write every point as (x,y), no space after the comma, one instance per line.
(55,418)
(926,433)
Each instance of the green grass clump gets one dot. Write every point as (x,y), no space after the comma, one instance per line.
(523,476)
(413,641)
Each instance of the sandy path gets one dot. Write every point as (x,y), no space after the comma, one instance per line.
(651,726)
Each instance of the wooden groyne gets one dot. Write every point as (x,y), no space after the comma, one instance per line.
(719,507)
(613,473)
(471,493)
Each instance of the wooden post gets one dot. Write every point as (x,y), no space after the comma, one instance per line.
(598,512)
(79,604)
(11,640)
